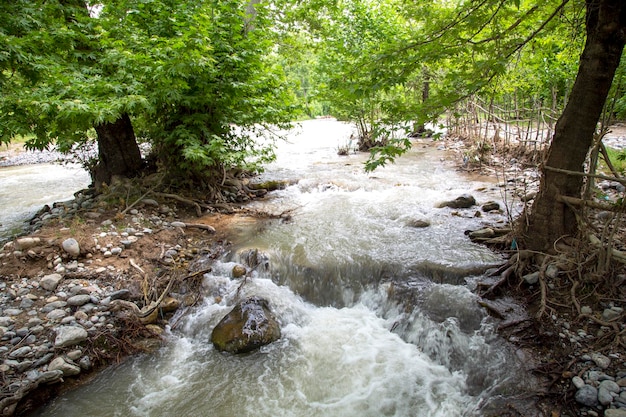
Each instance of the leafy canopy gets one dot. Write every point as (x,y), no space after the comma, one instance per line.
(197,77)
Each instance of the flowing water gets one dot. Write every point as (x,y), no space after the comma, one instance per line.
(377,316)
(25,189)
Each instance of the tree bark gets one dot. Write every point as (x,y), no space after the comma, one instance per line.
(119,153)
(550,218)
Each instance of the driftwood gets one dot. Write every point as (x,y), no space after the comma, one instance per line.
(8,404)
(585,174)
(201,226)
(579,202)
(618,255)
(184,200)
(149,313)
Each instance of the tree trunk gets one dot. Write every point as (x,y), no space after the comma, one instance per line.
(551,219)
(119,153)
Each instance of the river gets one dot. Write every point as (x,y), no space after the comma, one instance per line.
(377,316)
(25,189)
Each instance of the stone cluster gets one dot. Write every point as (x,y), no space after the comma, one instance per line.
(50,316)
(44,326)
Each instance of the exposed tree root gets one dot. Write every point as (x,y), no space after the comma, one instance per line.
(183,200)
(149,313)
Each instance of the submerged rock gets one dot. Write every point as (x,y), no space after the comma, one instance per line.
(248,326)
(239,271)
(463,201)
(417,223)
(490,206)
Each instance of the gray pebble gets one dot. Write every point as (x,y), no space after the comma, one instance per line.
(13,311)
(53,306)
(71,246)
(604,396)
(56,314)
(611,386)
(21,352)
(79,300)
(587,395)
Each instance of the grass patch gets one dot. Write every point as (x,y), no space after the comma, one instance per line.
(617,158)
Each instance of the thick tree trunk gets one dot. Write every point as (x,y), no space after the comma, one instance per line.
(119,153)
(550,219)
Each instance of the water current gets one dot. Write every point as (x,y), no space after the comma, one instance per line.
(377,316)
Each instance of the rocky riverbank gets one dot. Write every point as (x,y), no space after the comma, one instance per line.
(90,285)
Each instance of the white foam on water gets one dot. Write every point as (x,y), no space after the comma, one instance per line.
(329,362)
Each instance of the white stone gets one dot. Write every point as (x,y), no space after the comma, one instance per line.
(50,282)
(60,364)
(69,335)
(586,310)
(578,382)
(601,360)
(25,243)
(71,246)
(612,313)
(552,271)
(531,279)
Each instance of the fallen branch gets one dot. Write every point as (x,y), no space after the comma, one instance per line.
(543,288)
(144,280)
(585,174)
(579,202)
(146,315)
(618,255)
(182,200)
(504,276)
(197,273)
(201,226)
(143,196)
(492,309)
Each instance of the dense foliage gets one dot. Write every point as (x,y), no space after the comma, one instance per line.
(400,63)
(200,79)
(196,77)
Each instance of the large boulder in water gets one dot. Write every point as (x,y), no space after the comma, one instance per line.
(463,201)
(248,326)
